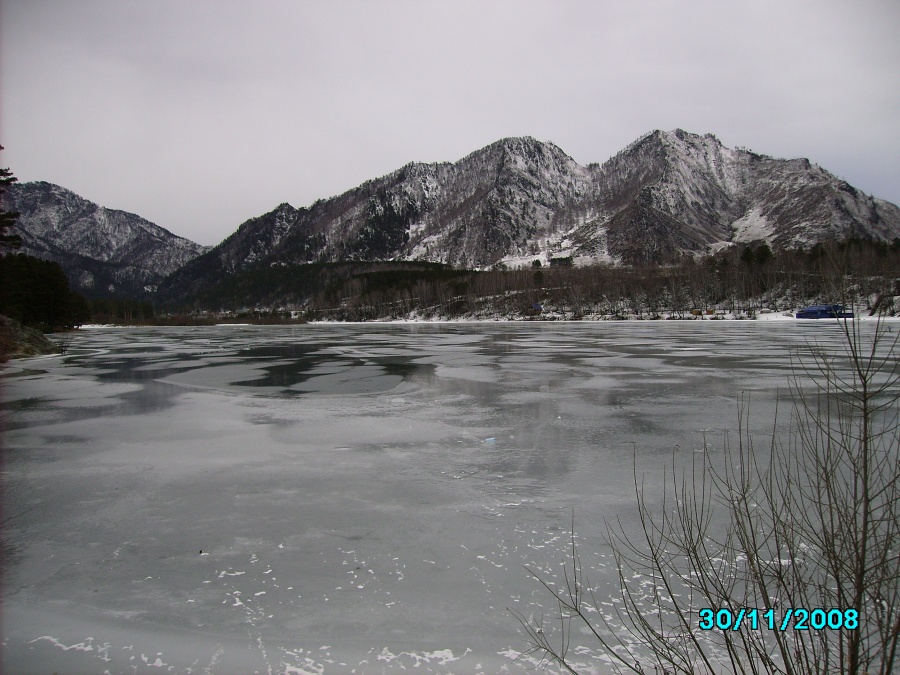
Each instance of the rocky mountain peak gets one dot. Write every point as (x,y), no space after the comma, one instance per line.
(520,199)
(103,251)
(517,200)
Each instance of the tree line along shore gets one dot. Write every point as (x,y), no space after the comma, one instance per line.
(738,282)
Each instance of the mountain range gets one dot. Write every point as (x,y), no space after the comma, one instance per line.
(517,200)
(103,251)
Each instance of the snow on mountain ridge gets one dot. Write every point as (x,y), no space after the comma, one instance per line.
(518,200)
(667,194)
(101,249)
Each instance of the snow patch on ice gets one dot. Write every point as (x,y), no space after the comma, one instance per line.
(84,646)
(441,656)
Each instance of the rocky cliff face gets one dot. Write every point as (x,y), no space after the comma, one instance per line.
(103,251)
(726,196)
(517,200)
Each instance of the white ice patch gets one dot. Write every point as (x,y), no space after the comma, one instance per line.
(84,646)
(441,657)
(753,226)
(720,245)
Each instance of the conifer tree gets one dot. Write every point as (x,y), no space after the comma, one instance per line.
(8,219)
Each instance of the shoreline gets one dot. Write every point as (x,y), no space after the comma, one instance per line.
(774,317)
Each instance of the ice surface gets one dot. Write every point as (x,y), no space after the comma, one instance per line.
(341,498)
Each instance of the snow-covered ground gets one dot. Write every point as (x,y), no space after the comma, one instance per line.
(332,498)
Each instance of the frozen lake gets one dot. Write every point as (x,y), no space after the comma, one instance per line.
(340,498)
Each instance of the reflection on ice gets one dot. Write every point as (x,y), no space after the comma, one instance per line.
(331,499)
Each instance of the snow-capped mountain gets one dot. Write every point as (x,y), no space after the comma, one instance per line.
(101,250)
(723,196)
(518,200)
(512,202)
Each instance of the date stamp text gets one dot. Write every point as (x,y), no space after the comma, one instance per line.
(791,618)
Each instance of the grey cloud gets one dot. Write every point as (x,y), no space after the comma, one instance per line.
(199,115)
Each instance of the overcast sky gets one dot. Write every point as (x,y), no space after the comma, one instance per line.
(199,114)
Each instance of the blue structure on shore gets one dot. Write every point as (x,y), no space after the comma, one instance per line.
(824,312)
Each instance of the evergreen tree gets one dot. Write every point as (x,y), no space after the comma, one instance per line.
(7,218)
(36,293)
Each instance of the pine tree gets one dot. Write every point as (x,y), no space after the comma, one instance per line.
(7,218)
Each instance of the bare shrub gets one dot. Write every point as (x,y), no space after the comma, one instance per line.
(812,522)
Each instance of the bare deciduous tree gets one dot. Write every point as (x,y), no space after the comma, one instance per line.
(798,544)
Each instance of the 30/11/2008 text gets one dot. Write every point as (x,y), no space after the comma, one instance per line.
(792,619)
